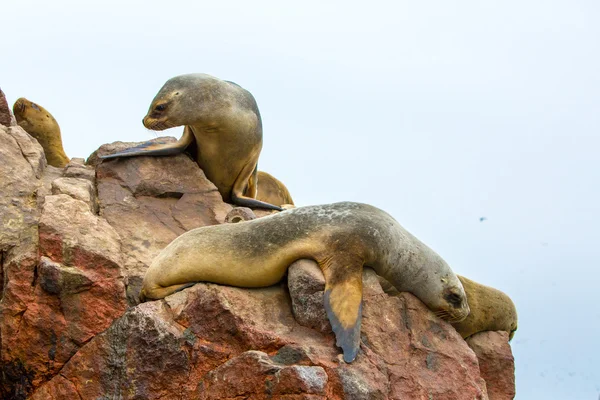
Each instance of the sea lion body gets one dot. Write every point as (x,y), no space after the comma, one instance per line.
(223,131)
(340,237)
(491,310)
(271,190)
(40,124)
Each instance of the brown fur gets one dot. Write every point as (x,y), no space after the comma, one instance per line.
(271,190)
(491,310)
(222,129)
(40,124)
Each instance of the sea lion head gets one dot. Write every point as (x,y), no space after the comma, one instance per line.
(453,305)
(440,290)
(201,100)
(33,118)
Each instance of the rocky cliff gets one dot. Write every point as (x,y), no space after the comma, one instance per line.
(74,246)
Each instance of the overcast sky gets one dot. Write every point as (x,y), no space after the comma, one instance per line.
(438,112)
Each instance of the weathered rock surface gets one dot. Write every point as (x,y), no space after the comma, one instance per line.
(75,244)
(496,363)
(152,200)
(5,114)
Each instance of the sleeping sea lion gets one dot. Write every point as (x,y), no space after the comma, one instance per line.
(223,131)
(340,237)
(40,124)
(491,309)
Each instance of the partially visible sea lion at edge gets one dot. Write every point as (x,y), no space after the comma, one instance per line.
(223,131)
(491,309)
(340,237)
(40,124)
(271,190)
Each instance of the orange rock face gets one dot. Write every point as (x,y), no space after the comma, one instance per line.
(71,262)
(496,363)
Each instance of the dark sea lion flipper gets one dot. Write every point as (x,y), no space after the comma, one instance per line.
(343,304)
(156,149)
(245,186)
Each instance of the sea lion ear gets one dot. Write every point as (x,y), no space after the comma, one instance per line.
(343,304)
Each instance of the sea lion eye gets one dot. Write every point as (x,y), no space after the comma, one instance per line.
(35,106)
(160,107)
(454,299)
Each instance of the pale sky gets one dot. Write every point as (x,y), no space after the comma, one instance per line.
(438,112)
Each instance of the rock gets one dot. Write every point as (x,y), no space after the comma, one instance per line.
(210,340)
(410,330)
(76,290)
(5,114)
(239,214)
(149,213)
(76,168)
(77,188)
(22,163)
(45,187)
(255,372)
(496,363)
(306,285)
(30,149)
(70,325)
(19,178)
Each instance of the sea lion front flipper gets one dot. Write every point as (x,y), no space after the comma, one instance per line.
(343,303)
(156,149)
(245,183)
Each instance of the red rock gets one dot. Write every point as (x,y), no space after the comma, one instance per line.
(496,363)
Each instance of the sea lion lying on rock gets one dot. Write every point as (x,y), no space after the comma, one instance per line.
(491,309)
(340,237)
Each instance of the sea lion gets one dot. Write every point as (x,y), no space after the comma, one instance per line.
(491,309)
(40,124)
(271,190)
(223,130)
(340,237)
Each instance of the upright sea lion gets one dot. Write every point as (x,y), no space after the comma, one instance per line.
(40,124)
(491,309)
(223,129)
(271,190)
(340,237)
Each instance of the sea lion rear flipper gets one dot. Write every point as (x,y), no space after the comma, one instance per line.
(246,184)
(343,304)
(156,149)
